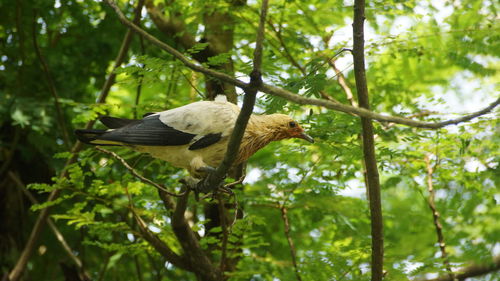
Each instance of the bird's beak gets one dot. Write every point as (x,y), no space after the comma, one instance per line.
(306,137)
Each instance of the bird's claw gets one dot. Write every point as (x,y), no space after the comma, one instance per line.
(204,186)
(206,169)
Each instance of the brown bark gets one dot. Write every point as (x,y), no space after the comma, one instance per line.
(219,33)
(372,176)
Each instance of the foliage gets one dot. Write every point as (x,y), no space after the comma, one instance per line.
(430,60)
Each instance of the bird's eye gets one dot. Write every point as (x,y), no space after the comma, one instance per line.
(292,124)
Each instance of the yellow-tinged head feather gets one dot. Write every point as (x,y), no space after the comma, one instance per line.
(277,127)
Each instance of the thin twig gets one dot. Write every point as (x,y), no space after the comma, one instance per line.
(138,268)
(20,266)
(372,176)
(52,226)
(299,183)
(11,150)
(343,83)
(137,175)
(236,209)
(471,271)
(162,248)
(234,183)
(193,86)
(104,267)
(284,216)
(280,92)
(294,62)
(435,216)
(257,54)
(52,87)
(225,233)
(140,79)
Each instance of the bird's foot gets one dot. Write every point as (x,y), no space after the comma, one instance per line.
(204,185)
(206,169)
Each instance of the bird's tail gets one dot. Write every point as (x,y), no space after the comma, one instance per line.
(94,137)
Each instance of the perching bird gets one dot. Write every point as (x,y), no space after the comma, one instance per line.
(194,136)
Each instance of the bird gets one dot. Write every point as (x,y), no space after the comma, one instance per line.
(194,136)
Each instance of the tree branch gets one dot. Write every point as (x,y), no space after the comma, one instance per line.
(362,112)
(20,266)
(11,149)
(140,177)
(257,55)
(286,53)
(272,90)
(372,176)
(225,233)
(52,87)
(162,248)
(155,241)
(214,179)
(190,244)
(343,83)
(471,271)
(435,216)
(53,227)
(172,27)
(284,216)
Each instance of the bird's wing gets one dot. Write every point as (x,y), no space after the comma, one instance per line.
(202,118)
(149,131)
(199,124)
(115,123)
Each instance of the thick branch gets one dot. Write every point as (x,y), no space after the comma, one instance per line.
(372,176)
(272,90)
(471,271)
(435,216)
(162,248)
(178,55)
(233,146)
(172,26)
(190,244)
(20,266)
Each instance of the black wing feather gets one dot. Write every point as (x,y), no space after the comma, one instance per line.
(148,131)
(115,123)
(205,141)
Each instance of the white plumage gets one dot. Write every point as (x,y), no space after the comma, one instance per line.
(194,136)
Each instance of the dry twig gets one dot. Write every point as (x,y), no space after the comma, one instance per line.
(137,175)
(284,216)
(435,216)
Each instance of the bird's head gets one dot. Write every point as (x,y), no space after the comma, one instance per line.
(285,127)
